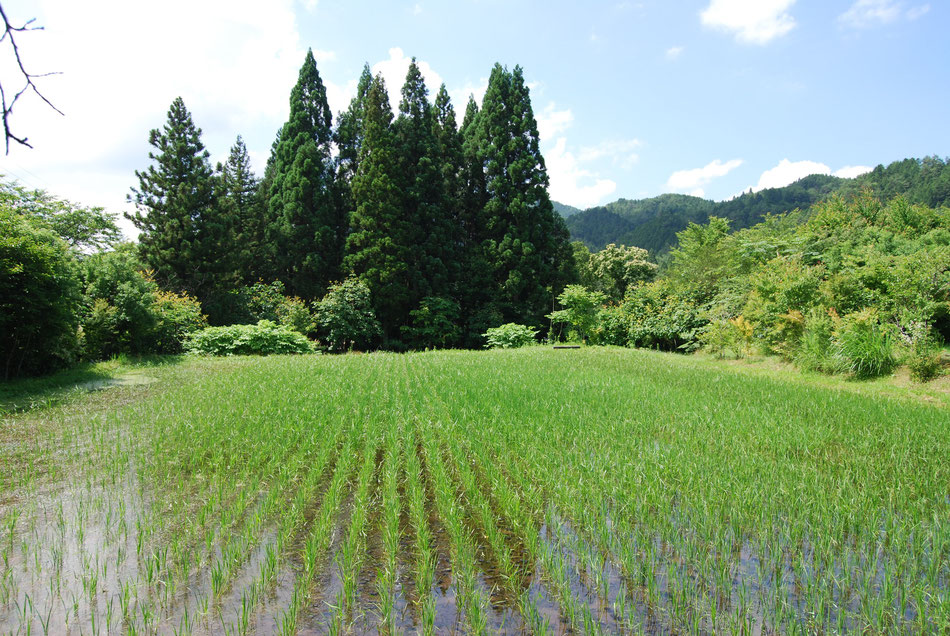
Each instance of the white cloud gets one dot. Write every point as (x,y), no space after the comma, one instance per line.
(916,12)
(850,172)
(787,172)
(552,121)
(752,21)
(620,151)
(571,183)
(461,94)
(868,13)
(417,9)
(674,52)
(123,63)
(394,72)
(693,180)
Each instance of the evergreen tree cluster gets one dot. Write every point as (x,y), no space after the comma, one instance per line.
(444,224)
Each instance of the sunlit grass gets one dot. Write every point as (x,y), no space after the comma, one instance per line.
(527,490)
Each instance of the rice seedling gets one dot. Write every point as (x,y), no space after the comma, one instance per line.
(519,491)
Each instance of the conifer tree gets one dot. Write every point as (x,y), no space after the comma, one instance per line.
(379,246)
(424,198)
(240,207)
(526,243)
(478,287)
(180,228)
(306,225)
(349,137)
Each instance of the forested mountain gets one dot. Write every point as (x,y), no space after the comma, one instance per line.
(653,223)
(565,210)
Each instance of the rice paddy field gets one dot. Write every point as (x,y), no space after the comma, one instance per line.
(526,491)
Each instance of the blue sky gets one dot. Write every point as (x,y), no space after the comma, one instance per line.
(633,99)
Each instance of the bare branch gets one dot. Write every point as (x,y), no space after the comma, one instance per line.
(9,32)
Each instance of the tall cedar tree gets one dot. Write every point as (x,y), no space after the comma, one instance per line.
(240,205)
(180,228)
(527,244)
(306,225)
(476,287)
(349,138)
(379,246)
(424,197)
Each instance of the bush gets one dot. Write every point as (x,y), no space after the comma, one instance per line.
(923,351)
(582,309)
(264,338)
(815,352)
(177,317)
(510,336)
(434,323)
(126,312)
(661,317)
(39,298)
(863,347)
(265,301)
(345,317)
(727,334)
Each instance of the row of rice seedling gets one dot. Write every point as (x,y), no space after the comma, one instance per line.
(521,491)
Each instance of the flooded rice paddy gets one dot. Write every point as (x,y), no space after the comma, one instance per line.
(603,490)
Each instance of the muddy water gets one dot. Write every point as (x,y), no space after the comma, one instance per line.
(82,557)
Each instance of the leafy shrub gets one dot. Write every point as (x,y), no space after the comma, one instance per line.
(923,351)
(727,334)
(815,351)
(863,346)
(660,316)
(266,301)
(177,317)
(344,317)
(510,336)
(581,312)
(126,312)
(263,338)
(434,323)
(39,298)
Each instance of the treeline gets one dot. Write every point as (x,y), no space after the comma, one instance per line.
(653,223)
(395,230)
(851,285)
(447,225)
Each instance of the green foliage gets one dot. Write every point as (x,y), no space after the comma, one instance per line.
(379,246)
(510,336)
(815,351)
(39,297)
(269,301)
(243,248)
(264,338)
(923,351)
(434,324)
(616,269)
(727,334)
(581,310)
(177,217)
(126,311)
(307,223)
(345,318)
(661,316)
(177,316)
(85,229)
(863,346)
(525,243)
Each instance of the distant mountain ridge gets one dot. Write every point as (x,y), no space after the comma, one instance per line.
(653,223)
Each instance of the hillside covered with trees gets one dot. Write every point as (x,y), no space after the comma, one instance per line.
(653,223)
